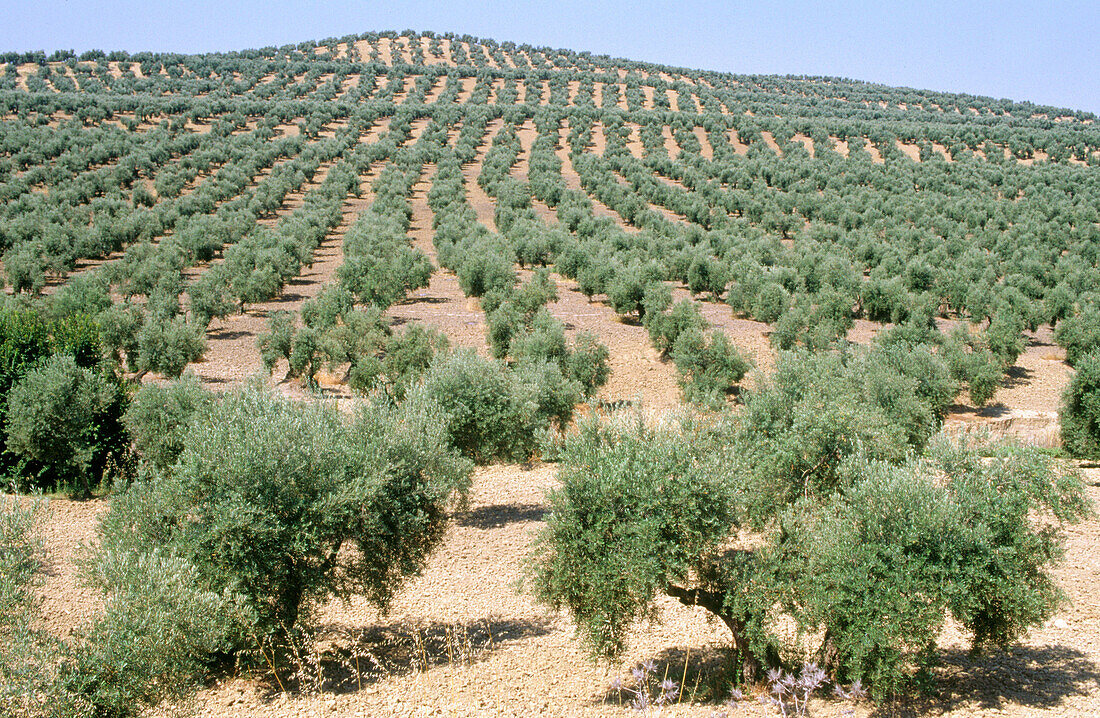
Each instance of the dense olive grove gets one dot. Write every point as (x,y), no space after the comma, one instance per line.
(150,194)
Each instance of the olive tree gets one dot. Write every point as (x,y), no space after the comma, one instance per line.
(1080,415)
(810,511)
(285,505)
(63,423)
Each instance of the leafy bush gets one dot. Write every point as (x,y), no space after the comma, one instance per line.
(25,265)
(159,416)
(161,625)
(587,363)
(1080,414)
(210,297)
(972,362)
(267,497)
(627,289)
(866,568)
(277,343)
(486,267)
(820,409)
(380,268)
(408,355)
(1005,336)
(554,393)
(971,552)
(490,413)
(710,365)
(542,340)
(1080,335)
(63,423)
(771,303)
(118,330)
(167,346)
(666,327)
(26,653)
(231,547)
(816,322)
(83,294)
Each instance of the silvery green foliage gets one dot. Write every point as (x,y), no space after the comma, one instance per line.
(25,653)
(859,541)
(266,492)
(1080,414)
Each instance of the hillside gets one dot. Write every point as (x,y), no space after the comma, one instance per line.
(359,189)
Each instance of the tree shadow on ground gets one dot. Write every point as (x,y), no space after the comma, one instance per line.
(228,334)
(989,411)
(702,674)
(429,299)
(345,659)
(1017,376)
(497,515)
(1036,677)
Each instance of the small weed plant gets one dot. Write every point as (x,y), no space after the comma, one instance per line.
(649,695)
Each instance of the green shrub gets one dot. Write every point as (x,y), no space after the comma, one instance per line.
(409,354)
(167,346)
(279,505)
(885,300)
(816,323)
(630,515)
(1080,413)
(627,289)
(970,551)
(1080,335)
(85,293)
(666,327)
(307,354)
(118,330)
(543,340)
(327,308)
(505,322)
(25,265)
(588,363)
(63,423)
(865,569)
(555,394)
(486,268)
(1005,336)
(209,297)
(707,274)
(384,273)
(27,653)
(771,303)
(161,625)
(819,409)
(490,413)
(278,342)
(512,312)
(971,361)
(710,366)
(159,416)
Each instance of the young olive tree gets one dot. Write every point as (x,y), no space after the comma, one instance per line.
(284,505)
(1080,415)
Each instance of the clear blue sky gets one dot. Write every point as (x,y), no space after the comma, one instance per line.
(1045,52)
